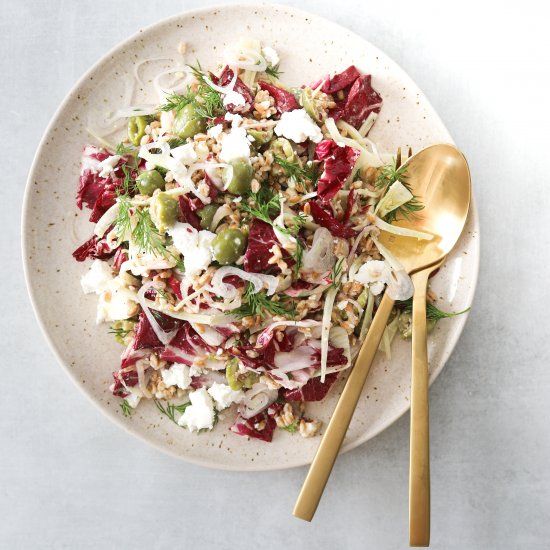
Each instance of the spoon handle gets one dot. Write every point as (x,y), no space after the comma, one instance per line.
(322,464)
(419,472)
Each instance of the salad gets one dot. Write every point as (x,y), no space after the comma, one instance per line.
(235,253)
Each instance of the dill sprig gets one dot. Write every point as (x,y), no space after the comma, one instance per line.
(258,303)
(126,408)
(433,313)
(208,102)
(120,332)
(265,204)
(176,102)
(147,236)
(390,174)
(337,272)
(123,149)
(274,71)
(171,409)
(295,170)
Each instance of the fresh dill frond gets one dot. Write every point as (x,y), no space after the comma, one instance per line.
(389,175)
(123,222)
(295,170)
(120,331)
(171,409)
(175,142)
(433,313)
(126,408)
(258,303)
(337,272)
(176,102)
(147,236)
(162,293)
(122,149)
(274,71)
(265,204)
(208,102)
(298,257)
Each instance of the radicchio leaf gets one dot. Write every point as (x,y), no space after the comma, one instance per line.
(325,219)
(240,87)
(284,100)
(339,163)
(313,390)
(261,239)
(93,248)
(247,427)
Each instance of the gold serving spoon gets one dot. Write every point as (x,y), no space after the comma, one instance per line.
(439,177)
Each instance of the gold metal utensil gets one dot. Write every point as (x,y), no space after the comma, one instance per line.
(439,176)
(419,466)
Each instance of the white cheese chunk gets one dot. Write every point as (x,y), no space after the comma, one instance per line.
(117,302)
(185,153)
(200,414)
(177,375)
(235,145)
(98,278)
(270,55)
(298,126)
(195,247)
(108,166)
(224,396)
(234,98)
(215,131)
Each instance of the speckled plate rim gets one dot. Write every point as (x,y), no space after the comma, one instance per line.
(451,341)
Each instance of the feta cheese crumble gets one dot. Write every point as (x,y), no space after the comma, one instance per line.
(235,145)
(97,279)
(108,166)
(234,98)
(200,414)
(298,126)
(195,247)
(270,55)
(177,375)
(224,396)
(185,153)
(117,302)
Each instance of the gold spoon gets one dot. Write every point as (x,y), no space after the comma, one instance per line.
(439,177)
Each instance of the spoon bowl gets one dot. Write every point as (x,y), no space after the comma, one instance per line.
(439,177)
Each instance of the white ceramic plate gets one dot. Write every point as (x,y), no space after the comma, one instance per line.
(52,226)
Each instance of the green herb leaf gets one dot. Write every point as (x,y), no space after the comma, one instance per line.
(258,303)
(433,313)
(294,169)
(171,409)
(388,175)
(274,71)
(126,408)
(176,102)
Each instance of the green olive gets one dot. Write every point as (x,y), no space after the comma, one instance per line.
(282,148)
(149,181)
(136,129)
(164,211)
(188,123)
(261,137)
(308,103)
(206,214)
(237,177)
(236,380)
(228,246)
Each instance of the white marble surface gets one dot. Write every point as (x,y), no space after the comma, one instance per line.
(70,479)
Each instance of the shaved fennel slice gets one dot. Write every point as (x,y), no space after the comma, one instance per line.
(396,196)
(366,158)
(367,317)
(106,220)
(387,337)
(402,231)
(216,320)
(325,329)
(338,338)
(226,290)
(368,124)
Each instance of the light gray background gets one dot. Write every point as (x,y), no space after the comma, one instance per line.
(70,479)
